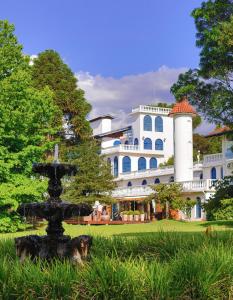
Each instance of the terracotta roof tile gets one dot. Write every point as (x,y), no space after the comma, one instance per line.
(183,107)
(219,131)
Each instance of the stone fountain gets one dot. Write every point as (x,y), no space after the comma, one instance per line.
(54,210)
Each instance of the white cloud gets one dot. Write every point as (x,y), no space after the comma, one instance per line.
(117,96)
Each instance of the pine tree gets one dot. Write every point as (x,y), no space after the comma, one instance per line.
(48,69)
(93,180)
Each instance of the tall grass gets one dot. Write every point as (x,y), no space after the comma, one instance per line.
(147,266)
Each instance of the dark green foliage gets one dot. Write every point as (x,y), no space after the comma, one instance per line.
(210,86)
(93,180)
(206,145)
(220,205)
(49,70)
(148,266)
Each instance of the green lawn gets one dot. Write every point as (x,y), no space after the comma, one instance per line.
(166,260)
(133,229)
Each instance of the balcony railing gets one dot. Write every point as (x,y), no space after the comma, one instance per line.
(151,109)
(213,158)
(143,191)
(129,148)
(169,170)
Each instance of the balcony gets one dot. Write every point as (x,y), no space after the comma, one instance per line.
(213,159)
(169,170)
(207,185)
(152,109)
(134,149)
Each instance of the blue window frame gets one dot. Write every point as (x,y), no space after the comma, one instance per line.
(147,144)
(129,183)
(116,143)
(153,163)
(158,124)
(136,142)
(144,182)
(198,208)
(157,180)
(213,173)
(141,163)
(158,144)
(201,176)
(115,166)
(126,142)
(126,164)
(147,123)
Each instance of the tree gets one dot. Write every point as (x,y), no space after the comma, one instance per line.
(220,205)
(48,69)
(11,55)
(93,180)
(169,196)
(27,122)
(206,145)
(210,86)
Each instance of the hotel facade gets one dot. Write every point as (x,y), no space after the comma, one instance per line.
(137,151)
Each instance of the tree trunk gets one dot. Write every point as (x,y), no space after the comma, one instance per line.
(167,210)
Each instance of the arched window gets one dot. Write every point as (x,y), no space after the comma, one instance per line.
(126,142)
(198,208)
(136,142)
(144,182)
(201,176)
(126,164)
(158,144)
(171,179)
(116,143)
(147,123)
(158,124)
(213,173)
(141,163)
(222,175)
(147,144)
(115,166)
(157,180)
(153,163)
(129,184)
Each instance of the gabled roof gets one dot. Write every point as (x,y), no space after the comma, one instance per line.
(219,131)
(113,133)
(182,107)
(102,117)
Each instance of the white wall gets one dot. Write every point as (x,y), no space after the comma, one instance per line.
(101,126)
(183,145)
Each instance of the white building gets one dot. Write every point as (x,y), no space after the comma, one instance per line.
(154,135)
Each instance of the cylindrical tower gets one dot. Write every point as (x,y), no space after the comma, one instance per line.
(182,114)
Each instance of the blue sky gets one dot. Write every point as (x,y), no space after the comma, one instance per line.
(124,52)
(108,37)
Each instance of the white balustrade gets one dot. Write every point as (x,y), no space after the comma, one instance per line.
(187,186)
(213,158)
(152,109)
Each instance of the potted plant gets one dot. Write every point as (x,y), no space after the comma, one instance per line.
(125,215)
(142,216)
(130,215)
(136,215)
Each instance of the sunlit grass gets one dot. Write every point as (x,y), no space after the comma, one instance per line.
(160,260)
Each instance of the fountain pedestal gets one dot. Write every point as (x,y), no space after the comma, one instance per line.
(54,210)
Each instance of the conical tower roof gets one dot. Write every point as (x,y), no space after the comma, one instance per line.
(183,107)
